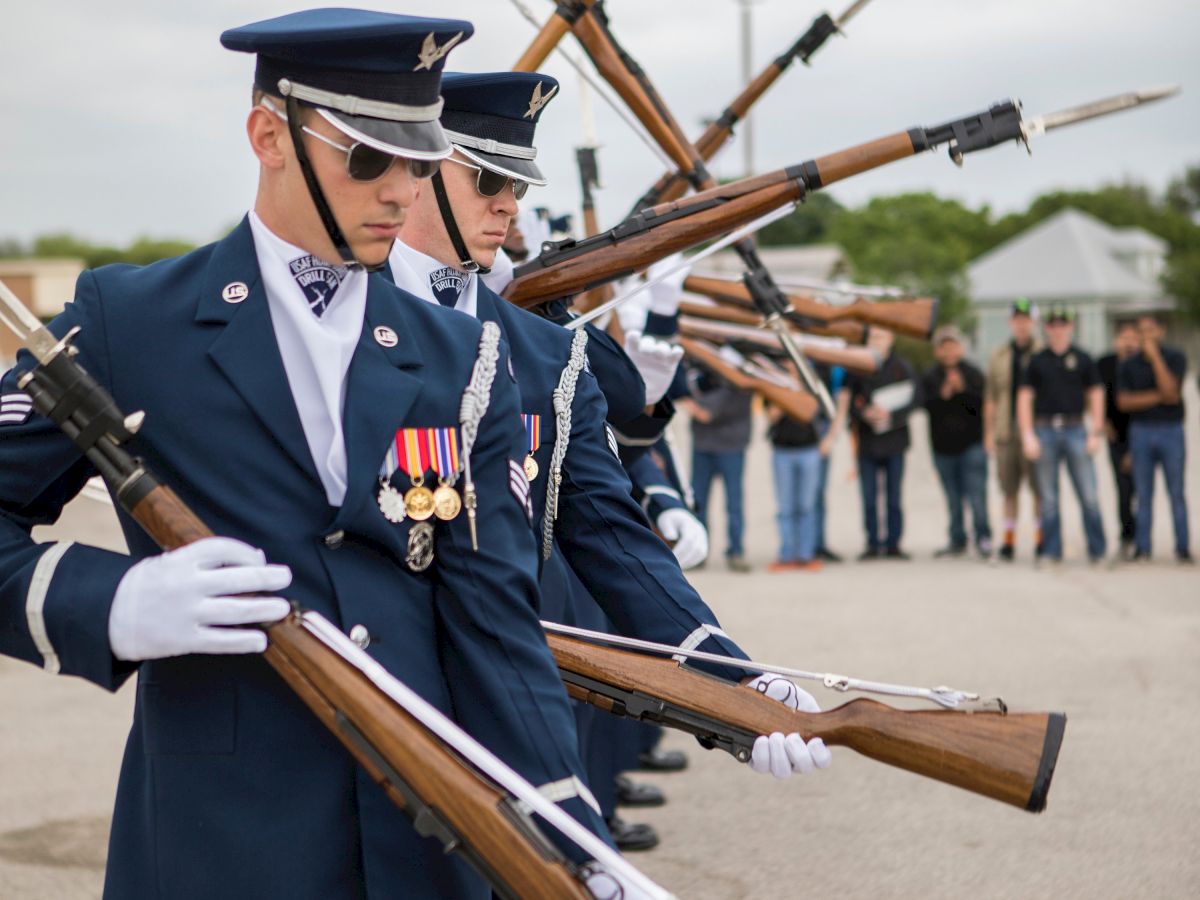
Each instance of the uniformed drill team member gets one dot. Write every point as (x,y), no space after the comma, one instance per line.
(581,495)
(282,381)
(1060,411)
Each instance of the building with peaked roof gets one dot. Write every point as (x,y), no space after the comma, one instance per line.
(1104,273)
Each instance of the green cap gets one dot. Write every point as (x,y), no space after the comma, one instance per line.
(1060,312)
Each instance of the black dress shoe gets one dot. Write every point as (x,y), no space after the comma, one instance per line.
(632,836)
(662,760)
(631,793)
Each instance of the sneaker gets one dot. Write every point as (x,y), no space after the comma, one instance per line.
(985,548)
(1185,559)
(826,555)
(810,565)
(1140,556)
(952,550)
(784,566)
(897,553)
(1128,549)
(1007,553)
(737,563)
(870,553)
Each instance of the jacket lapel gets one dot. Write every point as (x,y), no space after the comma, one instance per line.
(245,349)
(381,387)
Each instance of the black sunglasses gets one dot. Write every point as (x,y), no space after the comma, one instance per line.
(490,184)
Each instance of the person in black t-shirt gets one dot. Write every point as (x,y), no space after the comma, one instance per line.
(1058,386)
(1116,427)
(953,394)
(1149,389)
(879,406)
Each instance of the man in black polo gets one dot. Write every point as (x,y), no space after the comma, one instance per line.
(1149,389)
(1060,385)
(1126,342)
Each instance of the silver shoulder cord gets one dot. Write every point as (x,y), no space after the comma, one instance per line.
(478,755)
(943,696)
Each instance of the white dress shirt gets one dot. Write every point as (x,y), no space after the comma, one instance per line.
(316,350)
(411,270)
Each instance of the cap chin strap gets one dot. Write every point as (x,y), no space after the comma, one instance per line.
(318,196)
(465,262)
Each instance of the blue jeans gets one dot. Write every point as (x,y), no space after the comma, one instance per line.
(822,484)
(797,482)
(730,467)
(1158,443)
(964,479)
(870,470)
(1069,444)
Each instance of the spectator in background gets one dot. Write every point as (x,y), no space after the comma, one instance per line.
(953,394)
(879,405)
(1116,428)
(834,377)
(1001,436)
(797,465)
(720,433)
(1061,383)
(1149,389)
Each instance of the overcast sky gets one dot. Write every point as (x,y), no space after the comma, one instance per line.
(125,117)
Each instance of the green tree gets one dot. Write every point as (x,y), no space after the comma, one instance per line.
(809,224)
(918,241)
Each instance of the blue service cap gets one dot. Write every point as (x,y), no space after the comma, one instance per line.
(375,76)
(491,116)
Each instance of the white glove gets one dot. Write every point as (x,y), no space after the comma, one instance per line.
(632,313)
(502,272)
(604,885)
(182,602)
(656,361)
(783,755)
(665,296)
(689,535)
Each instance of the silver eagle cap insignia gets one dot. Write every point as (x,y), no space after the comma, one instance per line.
(537,101)
(430,52)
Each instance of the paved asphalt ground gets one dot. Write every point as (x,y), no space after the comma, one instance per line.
(1117,649)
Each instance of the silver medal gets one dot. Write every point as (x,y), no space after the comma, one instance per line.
(420,546)
(391,503)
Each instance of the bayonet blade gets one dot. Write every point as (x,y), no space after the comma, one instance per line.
(25,325)
(850,13)
(1041,124)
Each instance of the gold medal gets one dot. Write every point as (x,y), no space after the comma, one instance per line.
(391,504)
(531,467)
(446,503)
(418,502)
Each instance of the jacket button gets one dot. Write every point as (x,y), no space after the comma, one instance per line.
(334,539)
(360,636)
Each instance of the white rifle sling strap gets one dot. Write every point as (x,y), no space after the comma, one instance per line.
(35,604)
(485,762)
(564,397)
(475,400)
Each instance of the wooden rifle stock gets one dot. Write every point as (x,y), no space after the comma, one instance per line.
(743,312)
(446,798)
(1008,757)
(798,404)
(857,359)
(556,28)
(915,317)
(672,185)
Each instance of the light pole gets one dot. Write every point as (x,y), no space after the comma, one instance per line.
(747,75)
